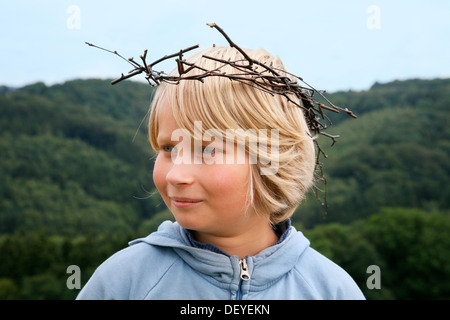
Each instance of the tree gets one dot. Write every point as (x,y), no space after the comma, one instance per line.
(415,247)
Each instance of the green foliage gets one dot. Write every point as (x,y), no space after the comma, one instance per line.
(411,247)
(34,265)
(416,250)
(71,150)
(395,154)
(76,185)
(415,93)
(153,223)
(76,177)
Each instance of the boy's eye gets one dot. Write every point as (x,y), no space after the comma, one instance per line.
(208,150)
(168,149)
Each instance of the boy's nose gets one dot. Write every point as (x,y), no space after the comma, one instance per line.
(180,174)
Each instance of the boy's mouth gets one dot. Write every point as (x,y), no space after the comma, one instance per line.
(181,202)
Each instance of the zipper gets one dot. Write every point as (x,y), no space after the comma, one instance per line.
(244,275)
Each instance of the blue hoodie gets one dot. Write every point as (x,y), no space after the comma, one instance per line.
(168,265)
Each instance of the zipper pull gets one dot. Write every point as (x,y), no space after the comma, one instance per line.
(245,276)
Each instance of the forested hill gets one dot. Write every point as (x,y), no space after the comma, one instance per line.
(75,157)
(76,184)
(396,154)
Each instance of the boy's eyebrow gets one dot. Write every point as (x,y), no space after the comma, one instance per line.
(163,138)
(166,137)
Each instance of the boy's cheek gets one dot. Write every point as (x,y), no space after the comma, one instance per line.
(159,174)
(226,179)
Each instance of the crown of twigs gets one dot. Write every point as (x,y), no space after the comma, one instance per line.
(270,79)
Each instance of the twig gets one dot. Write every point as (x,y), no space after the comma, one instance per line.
(271,80)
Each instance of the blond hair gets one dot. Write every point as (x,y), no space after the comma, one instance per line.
(221,104)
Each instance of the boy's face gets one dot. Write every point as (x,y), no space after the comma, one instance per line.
(207,198)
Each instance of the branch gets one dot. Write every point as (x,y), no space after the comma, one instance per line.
(271,80)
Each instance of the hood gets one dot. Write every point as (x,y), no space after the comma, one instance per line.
(267,266)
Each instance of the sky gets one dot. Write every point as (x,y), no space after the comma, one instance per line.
(333,45)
